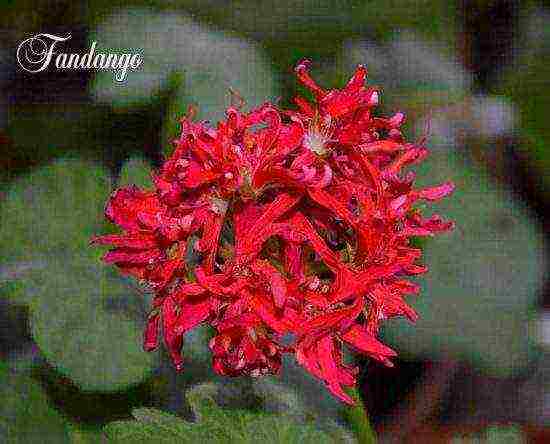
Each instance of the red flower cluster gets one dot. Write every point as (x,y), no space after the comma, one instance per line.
(302,219)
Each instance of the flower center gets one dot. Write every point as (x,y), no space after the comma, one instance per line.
(318,134)
(218,206)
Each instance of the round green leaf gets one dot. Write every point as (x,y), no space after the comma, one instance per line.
(484,277)
(176,49)
(88,324)
(53,209)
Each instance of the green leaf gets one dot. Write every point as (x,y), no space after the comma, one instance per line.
(494,435)
(26,415)
(214,425)
(15,291)
(295,22)
(508,435)
(176,48)
(88,324)
(136,171)
(484,277)
(85,435)
(525,86)
(39,132)
(524,81)
(56,208)
(415,75)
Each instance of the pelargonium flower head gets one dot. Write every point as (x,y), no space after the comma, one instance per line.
(302,220)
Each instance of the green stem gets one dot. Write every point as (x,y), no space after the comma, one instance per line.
(358,418)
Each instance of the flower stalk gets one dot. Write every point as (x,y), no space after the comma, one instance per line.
(358,419)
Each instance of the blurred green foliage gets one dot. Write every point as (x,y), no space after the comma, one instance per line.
(79,435)
(494,435)
(136,171)
(295,28)
(25,413)
(215,425)
(38,133)
(527,86)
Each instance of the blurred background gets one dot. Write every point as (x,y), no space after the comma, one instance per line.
(473,74)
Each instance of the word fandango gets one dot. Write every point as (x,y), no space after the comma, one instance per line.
(37,53)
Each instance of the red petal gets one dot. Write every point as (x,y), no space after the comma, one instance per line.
(332,319)
(369,170)
(191,315)
(195,175)
(126,203)
(309,360)
(140,241)
(172,338)
(381,146)
(300,223)
(163,274)
(266,311)
(408,157)
(293,261)
(436,193)
(434,224)
(305,106)
(151,335)
(131,256)
(362,340)
(290,137)
(276,282)
(302,72)
(276,209)
(246,320)
(415,269)
(217,283)
(327,200)
(250,241)
(357,81)
(210,240)
(186,290)
(329,369)
(407,287)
